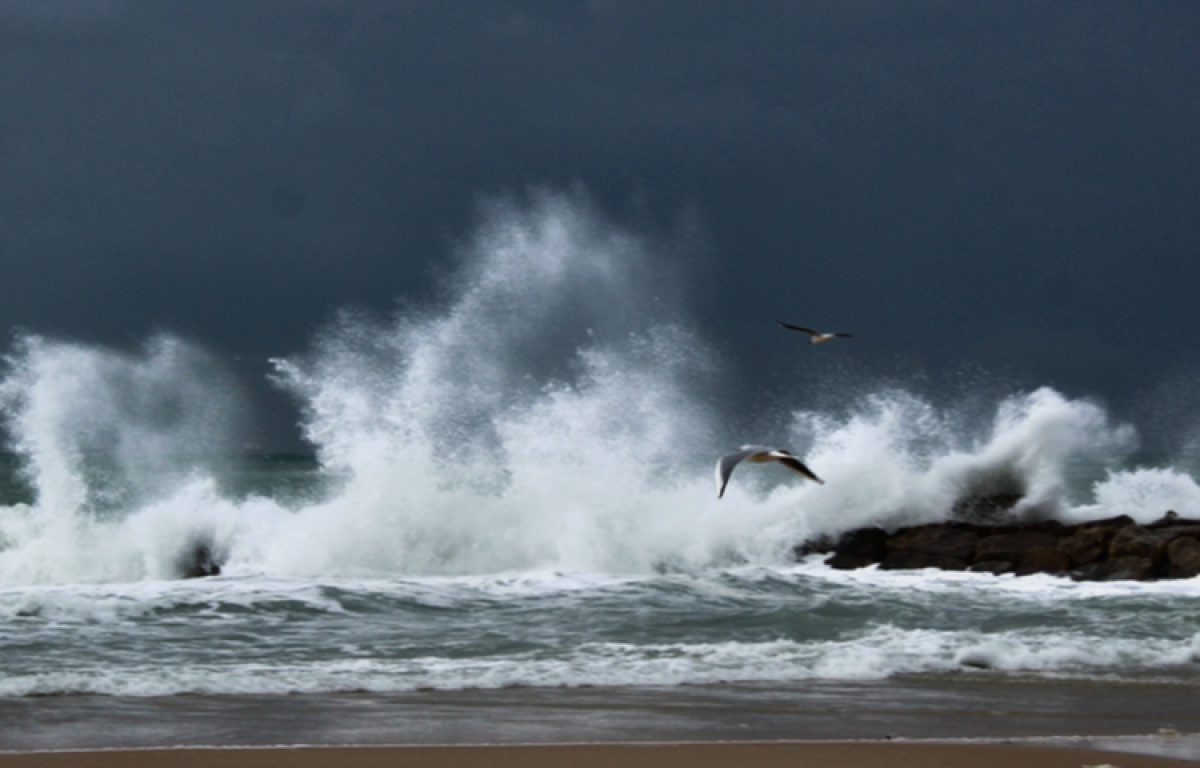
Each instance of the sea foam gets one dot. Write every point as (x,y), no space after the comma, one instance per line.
(554,412)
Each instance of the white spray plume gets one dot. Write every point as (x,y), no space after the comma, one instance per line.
(101,433)
(548,415)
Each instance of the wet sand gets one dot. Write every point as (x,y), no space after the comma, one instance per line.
(747,755)
(922,721)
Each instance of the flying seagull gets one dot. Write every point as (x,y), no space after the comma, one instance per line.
(817,336)
(759,454)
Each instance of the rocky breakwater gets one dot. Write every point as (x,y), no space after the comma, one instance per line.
(1112,549)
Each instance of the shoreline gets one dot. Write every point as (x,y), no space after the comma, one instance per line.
(1148,719)
(828,754)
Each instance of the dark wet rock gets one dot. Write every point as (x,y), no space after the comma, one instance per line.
(910,559)
(844,562)
(1089,572)
(197,562)
(869,543)
(936,539)
(1013,546)
(1052,527)
(1100,550)
(822,545)
(1183,558)
(983,530)
(1118,569)
(1139,541)
(992,566)
(1087,544)
(1043,560)
(1120,521)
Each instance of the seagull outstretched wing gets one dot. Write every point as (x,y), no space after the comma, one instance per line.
(758,454)
(726,464)
(809,331)
(817,336)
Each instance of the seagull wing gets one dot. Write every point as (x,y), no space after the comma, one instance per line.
(726,464)
(794,464)
(809,331)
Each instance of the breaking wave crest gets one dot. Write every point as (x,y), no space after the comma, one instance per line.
(554,412)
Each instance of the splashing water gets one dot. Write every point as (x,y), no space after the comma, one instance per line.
(459,457)
(103,433)
(549,415)
(900,461)
(515,487)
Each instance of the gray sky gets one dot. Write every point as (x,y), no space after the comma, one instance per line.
(1009,184)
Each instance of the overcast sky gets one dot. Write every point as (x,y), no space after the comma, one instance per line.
(1010,184)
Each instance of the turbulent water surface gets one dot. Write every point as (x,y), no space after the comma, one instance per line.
(514,488)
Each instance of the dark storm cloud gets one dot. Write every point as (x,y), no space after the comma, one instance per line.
(1012,182)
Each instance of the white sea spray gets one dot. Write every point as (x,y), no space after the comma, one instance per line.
(552,413)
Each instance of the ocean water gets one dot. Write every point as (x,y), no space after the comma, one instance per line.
(512,487)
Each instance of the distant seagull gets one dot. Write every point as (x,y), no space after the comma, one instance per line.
(759,454)
(817,337)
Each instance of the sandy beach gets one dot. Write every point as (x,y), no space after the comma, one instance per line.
(748,755)
(885,723)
